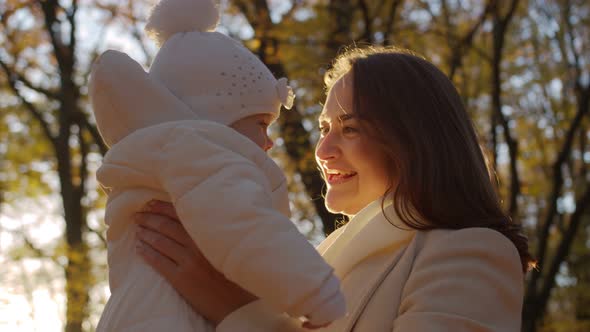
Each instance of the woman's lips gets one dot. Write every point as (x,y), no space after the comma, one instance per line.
(339,178)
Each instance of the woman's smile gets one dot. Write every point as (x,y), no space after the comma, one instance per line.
(334,177)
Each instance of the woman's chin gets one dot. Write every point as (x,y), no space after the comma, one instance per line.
(332,204)
(335,203)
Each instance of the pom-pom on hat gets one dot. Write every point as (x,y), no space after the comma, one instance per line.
(214,75)
(173,16)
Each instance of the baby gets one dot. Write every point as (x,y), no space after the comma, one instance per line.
(193,131)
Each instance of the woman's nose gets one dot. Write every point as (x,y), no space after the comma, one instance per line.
(326,148)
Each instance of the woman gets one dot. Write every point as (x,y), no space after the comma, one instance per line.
(427,247)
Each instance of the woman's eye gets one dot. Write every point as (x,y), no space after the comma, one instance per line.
(349,130)
(323,130)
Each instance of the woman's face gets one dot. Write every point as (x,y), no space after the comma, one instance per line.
(352,166)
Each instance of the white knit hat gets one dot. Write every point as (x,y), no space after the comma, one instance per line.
(214,75)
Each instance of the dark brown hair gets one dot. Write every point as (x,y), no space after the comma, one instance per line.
(416,116)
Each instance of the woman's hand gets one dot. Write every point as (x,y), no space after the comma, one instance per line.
(166,246)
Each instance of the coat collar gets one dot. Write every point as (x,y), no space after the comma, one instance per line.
(367,233)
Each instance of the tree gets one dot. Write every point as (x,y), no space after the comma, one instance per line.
(522,68)
(44,67)
(570,51)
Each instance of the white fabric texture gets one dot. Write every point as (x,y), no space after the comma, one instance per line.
(217,77)
(169,140)
(402,280)
(169,17)
(196,74)
(232,199)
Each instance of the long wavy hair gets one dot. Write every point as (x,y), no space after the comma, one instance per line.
(415,115)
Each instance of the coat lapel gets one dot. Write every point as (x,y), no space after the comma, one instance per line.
(367,238)
(368,233)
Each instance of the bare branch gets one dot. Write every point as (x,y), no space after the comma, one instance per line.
(83,167)
(532,296)
(71,15)
(565,151)
(466,41)
(511,11)
(94,52)
(98,233)
(570,33)
(446,19)
(499,35)
(564,248)
(64,54)
(84,123)
(50,94)
(38,252)
(481,52)
(30,107)
(295,4)
(389,27)
(135,30)
(367,35)
(21,78)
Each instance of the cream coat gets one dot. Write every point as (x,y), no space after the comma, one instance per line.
(232,200)
(411,281)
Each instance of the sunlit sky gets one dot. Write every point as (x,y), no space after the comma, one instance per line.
(27,303)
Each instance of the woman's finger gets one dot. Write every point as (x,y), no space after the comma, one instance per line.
(162,208)
(167,247)
(165,226)
(161,263)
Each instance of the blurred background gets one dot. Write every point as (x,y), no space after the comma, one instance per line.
(521,66)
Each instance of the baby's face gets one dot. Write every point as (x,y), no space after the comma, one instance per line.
(255,127)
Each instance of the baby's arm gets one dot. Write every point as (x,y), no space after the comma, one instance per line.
(168,248)
(224,203)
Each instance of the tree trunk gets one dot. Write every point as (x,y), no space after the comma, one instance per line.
(499,34)
(297,139)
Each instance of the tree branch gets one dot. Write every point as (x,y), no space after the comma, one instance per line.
(367,35)
(38,252)
(570,33)
(83,167)
(30,107)
(467,40)
(84,122)
(94,52)
(563,249)
(21,78)
(50,94)
(98,233)
(48,7)
(295,4)
(389,27)
(543,236)
(71,15)
(499,34)
(558,176)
